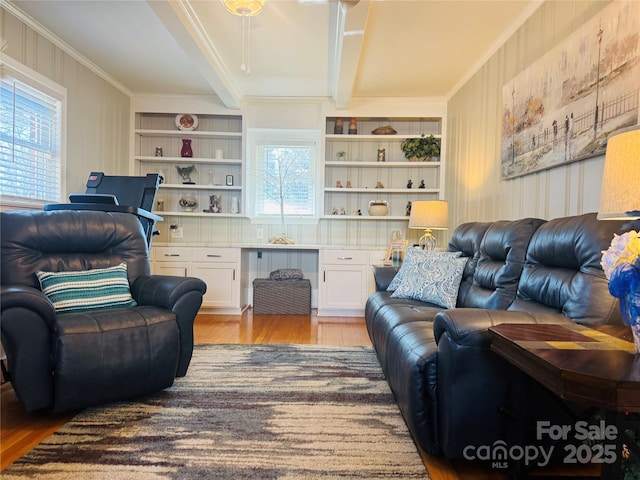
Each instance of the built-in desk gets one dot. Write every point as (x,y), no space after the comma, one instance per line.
(341,278)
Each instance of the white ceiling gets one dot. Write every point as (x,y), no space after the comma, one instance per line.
(298,48)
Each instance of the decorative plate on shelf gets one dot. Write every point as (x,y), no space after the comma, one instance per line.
(186,122)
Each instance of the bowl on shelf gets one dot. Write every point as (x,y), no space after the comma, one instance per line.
(188,203)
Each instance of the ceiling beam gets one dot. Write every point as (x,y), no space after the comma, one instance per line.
(346,37)
(182,22)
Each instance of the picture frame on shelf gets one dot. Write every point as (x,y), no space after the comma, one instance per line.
(396,246)
(229,180)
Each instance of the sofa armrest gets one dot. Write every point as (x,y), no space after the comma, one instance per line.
(181,295)
(27,322)
(475,385)
(468,326)
(383,276)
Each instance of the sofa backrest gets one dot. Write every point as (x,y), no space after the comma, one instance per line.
(69,240)
(562,273)
(499,265)
(466,239)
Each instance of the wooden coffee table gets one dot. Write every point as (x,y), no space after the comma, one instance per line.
(581,365)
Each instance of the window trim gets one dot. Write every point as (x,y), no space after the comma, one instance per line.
(12,68)
(258,136)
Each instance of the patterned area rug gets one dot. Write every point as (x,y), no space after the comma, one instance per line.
(243,412)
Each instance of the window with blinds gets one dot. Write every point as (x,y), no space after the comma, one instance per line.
(30,138)
(283,172)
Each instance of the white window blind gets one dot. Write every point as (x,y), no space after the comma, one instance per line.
(30,140)
(283,171)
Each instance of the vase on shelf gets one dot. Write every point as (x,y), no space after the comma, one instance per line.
(186,151)
(630,309)
(378,208)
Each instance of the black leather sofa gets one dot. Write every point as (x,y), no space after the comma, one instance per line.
(70,360)
(452,390)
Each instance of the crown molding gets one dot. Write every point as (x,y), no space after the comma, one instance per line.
(62,45)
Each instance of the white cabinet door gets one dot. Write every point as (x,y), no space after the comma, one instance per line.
(222,284)
(174,269)
(219,268)
(343,282)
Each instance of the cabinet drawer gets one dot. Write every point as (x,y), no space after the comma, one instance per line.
(345,257)
(377,258)
(172,254)
(206,254)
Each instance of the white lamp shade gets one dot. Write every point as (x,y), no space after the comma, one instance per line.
(619,195)
(432,214)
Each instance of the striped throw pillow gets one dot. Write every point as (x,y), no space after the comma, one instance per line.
(87,289)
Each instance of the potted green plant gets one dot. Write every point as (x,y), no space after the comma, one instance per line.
(421,149)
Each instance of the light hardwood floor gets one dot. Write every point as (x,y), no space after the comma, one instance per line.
(21,431)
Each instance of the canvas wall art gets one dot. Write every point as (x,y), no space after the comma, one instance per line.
(563,107)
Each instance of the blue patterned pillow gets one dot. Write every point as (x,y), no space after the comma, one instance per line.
(436,279)
(87,289)
(412,260)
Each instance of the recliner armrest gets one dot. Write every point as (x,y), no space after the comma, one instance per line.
(468,326)
(27,326)
(163,290)
(383,276)
(474,383)
(22,296)
(181,295)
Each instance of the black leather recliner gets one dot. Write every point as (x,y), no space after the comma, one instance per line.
(68,361)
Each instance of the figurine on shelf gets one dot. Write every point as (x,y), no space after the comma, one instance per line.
(410,183)
(353,127)
(379,184)
(338,184)
(348,183)
(334,211)
(342,211)
(215,204)
(185,173)
(408,208)
(422,185)
(381,154)
(359,212)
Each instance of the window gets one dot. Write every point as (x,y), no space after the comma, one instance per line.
(283,173)
(31,112)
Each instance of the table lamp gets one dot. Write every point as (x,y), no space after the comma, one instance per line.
(429,215)
(619,199)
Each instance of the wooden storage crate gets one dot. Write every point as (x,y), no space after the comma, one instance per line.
(285,297)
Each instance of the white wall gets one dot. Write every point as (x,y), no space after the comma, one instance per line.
(474,187)
(99,132)
(97,112)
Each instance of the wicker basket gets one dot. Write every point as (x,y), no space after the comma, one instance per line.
(284,297)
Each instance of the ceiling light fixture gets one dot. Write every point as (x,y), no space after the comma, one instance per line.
(245,9)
